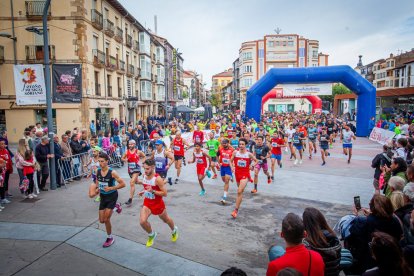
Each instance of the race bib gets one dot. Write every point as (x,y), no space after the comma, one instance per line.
(242,163)
(225,161)
(211,147)
(197,139)
(149,195)
(177,148)
(132,165)
(102,185)
(330,129)
(296,140)
(274,145)
(200,161)
(158,165)
(311,136)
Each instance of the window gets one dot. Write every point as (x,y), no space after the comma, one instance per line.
(160,73)
(248,69)
(146,90)
(116,22)
(290,43)
(277,43)
(315,53)
(95,42)
(94,4)
(271,44)
(106,13)
(144,43)
(160,92)
(160,54)
(247,55)
(145,64)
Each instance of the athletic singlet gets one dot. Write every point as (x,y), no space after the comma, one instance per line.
(133,159)
(242,163)
(178,147)
(225,156)
(312,133)
(105,181)
(261,151)
(229,132)
(250,146)
(160,162)
(276,143)
(234,143)
(150,199)
(201,159)
(94,166)
(197,136)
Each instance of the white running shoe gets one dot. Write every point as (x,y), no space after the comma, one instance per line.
(300,161)
(34,195)
(296,162)
(30,196)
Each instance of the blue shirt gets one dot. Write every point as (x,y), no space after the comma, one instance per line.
(391,126)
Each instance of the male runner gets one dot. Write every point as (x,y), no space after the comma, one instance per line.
(262,152)
(312,135)
(225,153)
(302,130)
(346,138)
(153,192)
(177,147)
(276,143)
(201,158)
(105,186)
(132,156)
(94,165)
(330,130)
(198,135)
(234,141)
(289,133)
(213,146)
(297,143)
(161,157)
(241,164)
(324,144)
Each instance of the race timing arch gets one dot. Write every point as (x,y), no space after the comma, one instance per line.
(365,91)
(314,100)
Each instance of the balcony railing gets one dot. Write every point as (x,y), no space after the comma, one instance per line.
(121,66)
(96,19)
(135,46)
(118,34)
(111,63)
(137,73)
(109,88)
(109,28)
(128,40)
(36,52)
(130,70)
(34,9)
(97,89)
(98,58)
(1,54)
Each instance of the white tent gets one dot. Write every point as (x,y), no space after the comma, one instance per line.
(199,109)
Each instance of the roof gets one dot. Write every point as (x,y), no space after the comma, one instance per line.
(224,74)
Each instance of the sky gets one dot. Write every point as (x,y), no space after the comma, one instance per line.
(209,33)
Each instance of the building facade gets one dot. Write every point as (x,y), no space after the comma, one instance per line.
(123,65)
(194,90)
(219,81)
(275,51)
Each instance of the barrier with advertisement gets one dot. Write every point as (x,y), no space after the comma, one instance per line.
(306,89)
(381,135)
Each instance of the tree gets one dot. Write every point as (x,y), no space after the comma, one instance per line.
(337,89)
(215,100)
(185,94)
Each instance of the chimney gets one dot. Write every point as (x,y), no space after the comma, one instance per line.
(155,24)
(391,55)
(359,64)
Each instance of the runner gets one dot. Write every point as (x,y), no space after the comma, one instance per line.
(201,158)
(105,186)
(324,144)
(177,147)
(262,152)
(346,138)
(297,139)
(94,165)
(302,130)
(198,135)
(161,156)
(241,164)
(234,141)
(312,135)
(213,146)
(132,156)
(225,153)
(289,133)
(330,130)
(276,143)
(153,192)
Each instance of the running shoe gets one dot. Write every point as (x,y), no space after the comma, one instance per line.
(231,179)
(214,176)
(174,234)
(118,208)
(208,173)
(218,167)
(272,177)
(234,213)
(151,239)
(300,161)
(310,156)
(280,165)
(170,181)
(34,195)
(5,201)
(315,151)
(98,199)
(30,196)
(203,192)
(329,154)
(176,181)
(323,164)
(128,202)
(269,180)
(223,200)
(108,242)
(349,161)
(185,164)
(296,162)
(254,191)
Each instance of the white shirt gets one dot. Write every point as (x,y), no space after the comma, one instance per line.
(290,133)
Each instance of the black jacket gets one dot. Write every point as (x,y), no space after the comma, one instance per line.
(58,151)
(378,161)
(76,147)
(41,153)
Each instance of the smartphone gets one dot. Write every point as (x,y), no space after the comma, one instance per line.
(357,202)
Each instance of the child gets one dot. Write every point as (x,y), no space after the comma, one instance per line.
(28,171)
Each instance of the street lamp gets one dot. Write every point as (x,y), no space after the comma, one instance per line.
(7,35)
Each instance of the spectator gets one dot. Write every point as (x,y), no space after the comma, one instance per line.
(5,155)
(401,148)
(36,140)
(397,199)
(388,257)
(85,149)
(379,161)
(322,239)
(371,125)
(19,157)
(98,126)
(106,141)
(92,128)
(76,150)
(38,127)
(66,162)
(42,154)
(398,168)
(28,171)
(116,124)
(296,256)
(58,157)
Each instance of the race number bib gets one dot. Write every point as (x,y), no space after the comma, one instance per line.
(274,145)
(149,195)
(102,185)
(132,165)
(158,165)
(211,147)
(177,148)
(200,161)
(242,163)
(226,161)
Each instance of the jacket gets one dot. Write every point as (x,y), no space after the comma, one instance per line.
(4,153)
(58,151)
(41,153)
(20,162)
(66,149)
(378,161)
(76,147)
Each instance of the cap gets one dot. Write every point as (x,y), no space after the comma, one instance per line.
(97,148)
(159,142)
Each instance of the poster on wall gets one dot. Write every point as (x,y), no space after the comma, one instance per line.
(29,83)
(298,90)
(67,83)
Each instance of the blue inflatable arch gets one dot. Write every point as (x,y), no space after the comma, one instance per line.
(346,75)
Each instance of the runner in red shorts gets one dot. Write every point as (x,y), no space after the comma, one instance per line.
(178,146)
(153,192)
(201,158)
(241,164)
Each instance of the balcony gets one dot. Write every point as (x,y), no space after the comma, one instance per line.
(111,64)
(128,40)
(97,89)
(121,67)
(35,53)
(34,9)
(96,19)
(118,35)
(98,58)
(1,54)
(137,73)
(130,70)
(109,88)
(135,46)
(109,28)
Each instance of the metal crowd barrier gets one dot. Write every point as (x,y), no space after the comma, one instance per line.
(114,157)
(146,147)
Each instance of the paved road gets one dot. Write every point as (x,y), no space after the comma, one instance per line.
(59,232)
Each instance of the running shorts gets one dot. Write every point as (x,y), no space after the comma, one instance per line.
(108,201)
(156,209)
(178,157)
(262,165)
(201,170)
(240,177)
(324,147)
(347,146)
(298,146)
(225,170)
(276,156)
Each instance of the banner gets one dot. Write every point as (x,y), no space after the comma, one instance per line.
(67,83)
(29,83)
(297,90)
(381,135)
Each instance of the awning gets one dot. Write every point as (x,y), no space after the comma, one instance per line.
(184,109)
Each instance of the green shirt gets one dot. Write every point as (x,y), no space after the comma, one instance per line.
(212,146)
(397,130)
(272,130)
(167,132)
(254,126)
